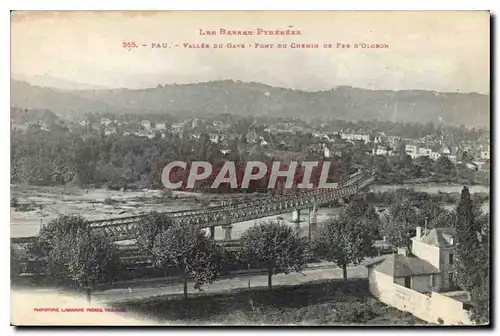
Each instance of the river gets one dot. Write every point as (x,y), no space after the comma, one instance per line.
(91,205)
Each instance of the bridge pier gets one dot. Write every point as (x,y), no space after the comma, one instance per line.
(227,231)
(313,221)
(296,216)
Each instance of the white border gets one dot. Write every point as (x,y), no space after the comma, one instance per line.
(193,5)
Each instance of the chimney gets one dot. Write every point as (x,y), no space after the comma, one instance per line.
(403,251)
(419,232)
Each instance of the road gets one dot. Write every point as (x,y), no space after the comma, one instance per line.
(226,285)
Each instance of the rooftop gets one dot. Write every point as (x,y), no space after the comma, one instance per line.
(439,237)
(398,265)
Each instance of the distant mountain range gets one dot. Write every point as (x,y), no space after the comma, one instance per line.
(56,83)
(347,103)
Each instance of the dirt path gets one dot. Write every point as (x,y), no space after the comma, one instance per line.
(226,285)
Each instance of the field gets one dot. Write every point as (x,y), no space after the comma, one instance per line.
(330,302)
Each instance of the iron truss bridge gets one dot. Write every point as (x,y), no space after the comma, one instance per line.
(125,228)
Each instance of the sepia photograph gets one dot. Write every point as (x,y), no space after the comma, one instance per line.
(250,168)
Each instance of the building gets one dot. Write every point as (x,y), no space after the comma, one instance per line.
(160,126)
(412,150)
(214,137)
(445,151)
(437,247)
(472,166)
(435,155)
(326,151)
(84,122)
(422,281)
(485,155)
(381,150)
(109,131)
(105,121)
(424,151)
(146,124)
(354,137)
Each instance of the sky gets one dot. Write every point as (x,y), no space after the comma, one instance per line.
(440,51)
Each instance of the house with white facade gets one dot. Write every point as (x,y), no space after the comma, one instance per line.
(411,150)
(109,131)
(326,151)
(445,151)
(146,124)
(422,281)
(105,121)
(381,150)
(214,137)
(160,126)
(485,155)
(424,151)
(435,155)
(355,136)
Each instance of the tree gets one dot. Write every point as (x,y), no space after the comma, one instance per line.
(445,219)
(73,253)
(467,242)
(444,166)
(188,249)
(94,260)
(275,246)
(149,227)
(473,260)
(345,240)
(15,262)
(399,224)
(360,210)
(480,293)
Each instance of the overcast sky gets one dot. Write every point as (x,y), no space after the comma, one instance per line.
(442,51)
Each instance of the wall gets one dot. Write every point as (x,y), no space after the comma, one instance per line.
(426,252)
(380,285)
(444,266)
(438,257)
(431,308)
(448,309)
(422,283)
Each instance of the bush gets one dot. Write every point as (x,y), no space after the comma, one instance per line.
(14,202)
(110,201)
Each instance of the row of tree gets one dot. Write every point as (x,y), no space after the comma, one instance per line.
(71,253)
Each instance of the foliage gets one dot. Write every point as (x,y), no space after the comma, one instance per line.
(480,292)
(15,261)
(94,260)
(87,157)
(349,238)
(190,250)
(473,257)
(149,226)
(73,253)
(444,166)
(399,224)
(275,246)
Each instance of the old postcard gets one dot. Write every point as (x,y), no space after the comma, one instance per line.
(250,168)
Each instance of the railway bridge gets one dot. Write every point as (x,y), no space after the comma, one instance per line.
(125,228)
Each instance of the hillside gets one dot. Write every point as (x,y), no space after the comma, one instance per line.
(470,109)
